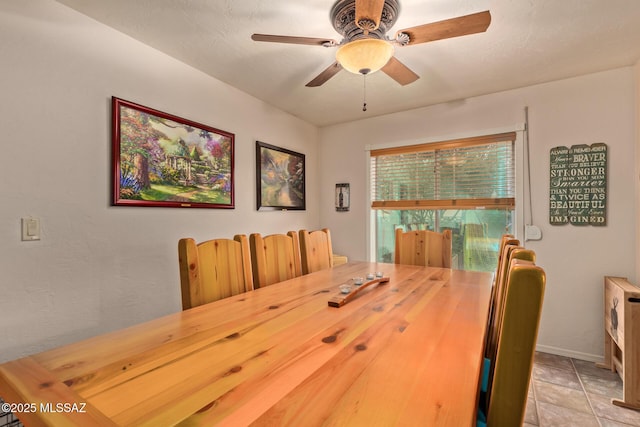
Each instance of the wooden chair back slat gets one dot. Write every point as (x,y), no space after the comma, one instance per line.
(274,258)
(213,269)
(423,247)
(315,250)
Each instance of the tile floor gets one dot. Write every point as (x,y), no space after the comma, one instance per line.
(568,392)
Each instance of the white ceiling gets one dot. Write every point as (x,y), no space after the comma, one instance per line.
(528,42)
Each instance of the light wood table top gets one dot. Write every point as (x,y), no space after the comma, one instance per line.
(408,352)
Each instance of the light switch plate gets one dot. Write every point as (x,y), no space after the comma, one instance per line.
(30,229)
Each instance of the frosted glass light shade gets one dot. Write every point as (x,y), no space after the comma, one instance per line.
(364,56)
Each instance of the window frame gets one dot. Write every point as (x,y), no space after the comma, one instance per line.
(450,142)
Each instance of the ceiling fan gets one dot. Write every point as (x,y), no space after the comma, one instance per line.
(366,48)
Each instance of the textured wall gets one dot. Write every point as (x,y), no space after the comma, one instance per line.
(583,110)
(98,267)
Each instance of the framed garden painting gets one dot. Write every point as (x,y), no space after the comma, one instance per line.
(280,178)
(164,160)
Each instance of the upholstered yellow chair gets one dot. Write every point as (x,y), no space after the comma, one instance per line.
(422,247)
(213,269)
(511,252)
(506,398)
(315,250)
(274,258)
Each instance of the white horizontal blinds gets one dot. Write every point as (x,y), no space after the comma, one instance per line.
(466,173)
(404,176)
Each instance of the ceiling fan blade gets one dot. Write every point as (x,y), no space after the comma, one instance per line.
(454,27)
(399,72)
(293,40)
(329,72)
(367,12)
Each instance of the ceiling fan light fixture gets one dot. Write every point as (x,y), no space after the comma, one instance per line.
(364,56)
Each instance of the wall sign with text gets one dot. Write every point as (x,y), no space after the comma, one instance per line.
(578,185)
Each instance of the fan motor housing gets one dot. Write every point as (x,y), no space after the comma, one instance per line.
(343,18)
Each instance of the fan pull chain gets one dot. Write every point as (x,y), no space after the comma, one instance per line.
(364,96)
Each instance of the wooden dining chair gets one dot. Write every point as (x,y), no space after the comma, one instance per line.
(506,239)
(496,308)
(506,398)
(274,258)
(502,270)
(315,250)
(423,247)
(213,269)
(511,252)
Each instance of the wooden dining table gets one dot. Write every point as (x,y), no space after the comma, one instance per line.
(405,352)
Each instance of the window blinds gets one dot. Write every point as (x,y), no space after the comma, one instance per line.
(469,173)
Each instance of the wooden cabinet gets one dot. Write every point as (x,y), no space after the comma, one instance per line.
(622,337)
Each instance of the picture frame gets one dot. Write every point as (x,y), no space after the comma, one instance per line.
(162,160)
(280,178)
(342,197)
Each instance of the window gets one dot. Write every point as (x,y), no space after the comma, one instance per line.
(466,185)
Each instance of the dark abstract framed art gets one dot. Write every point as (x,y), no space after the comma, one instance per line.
(280,178)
